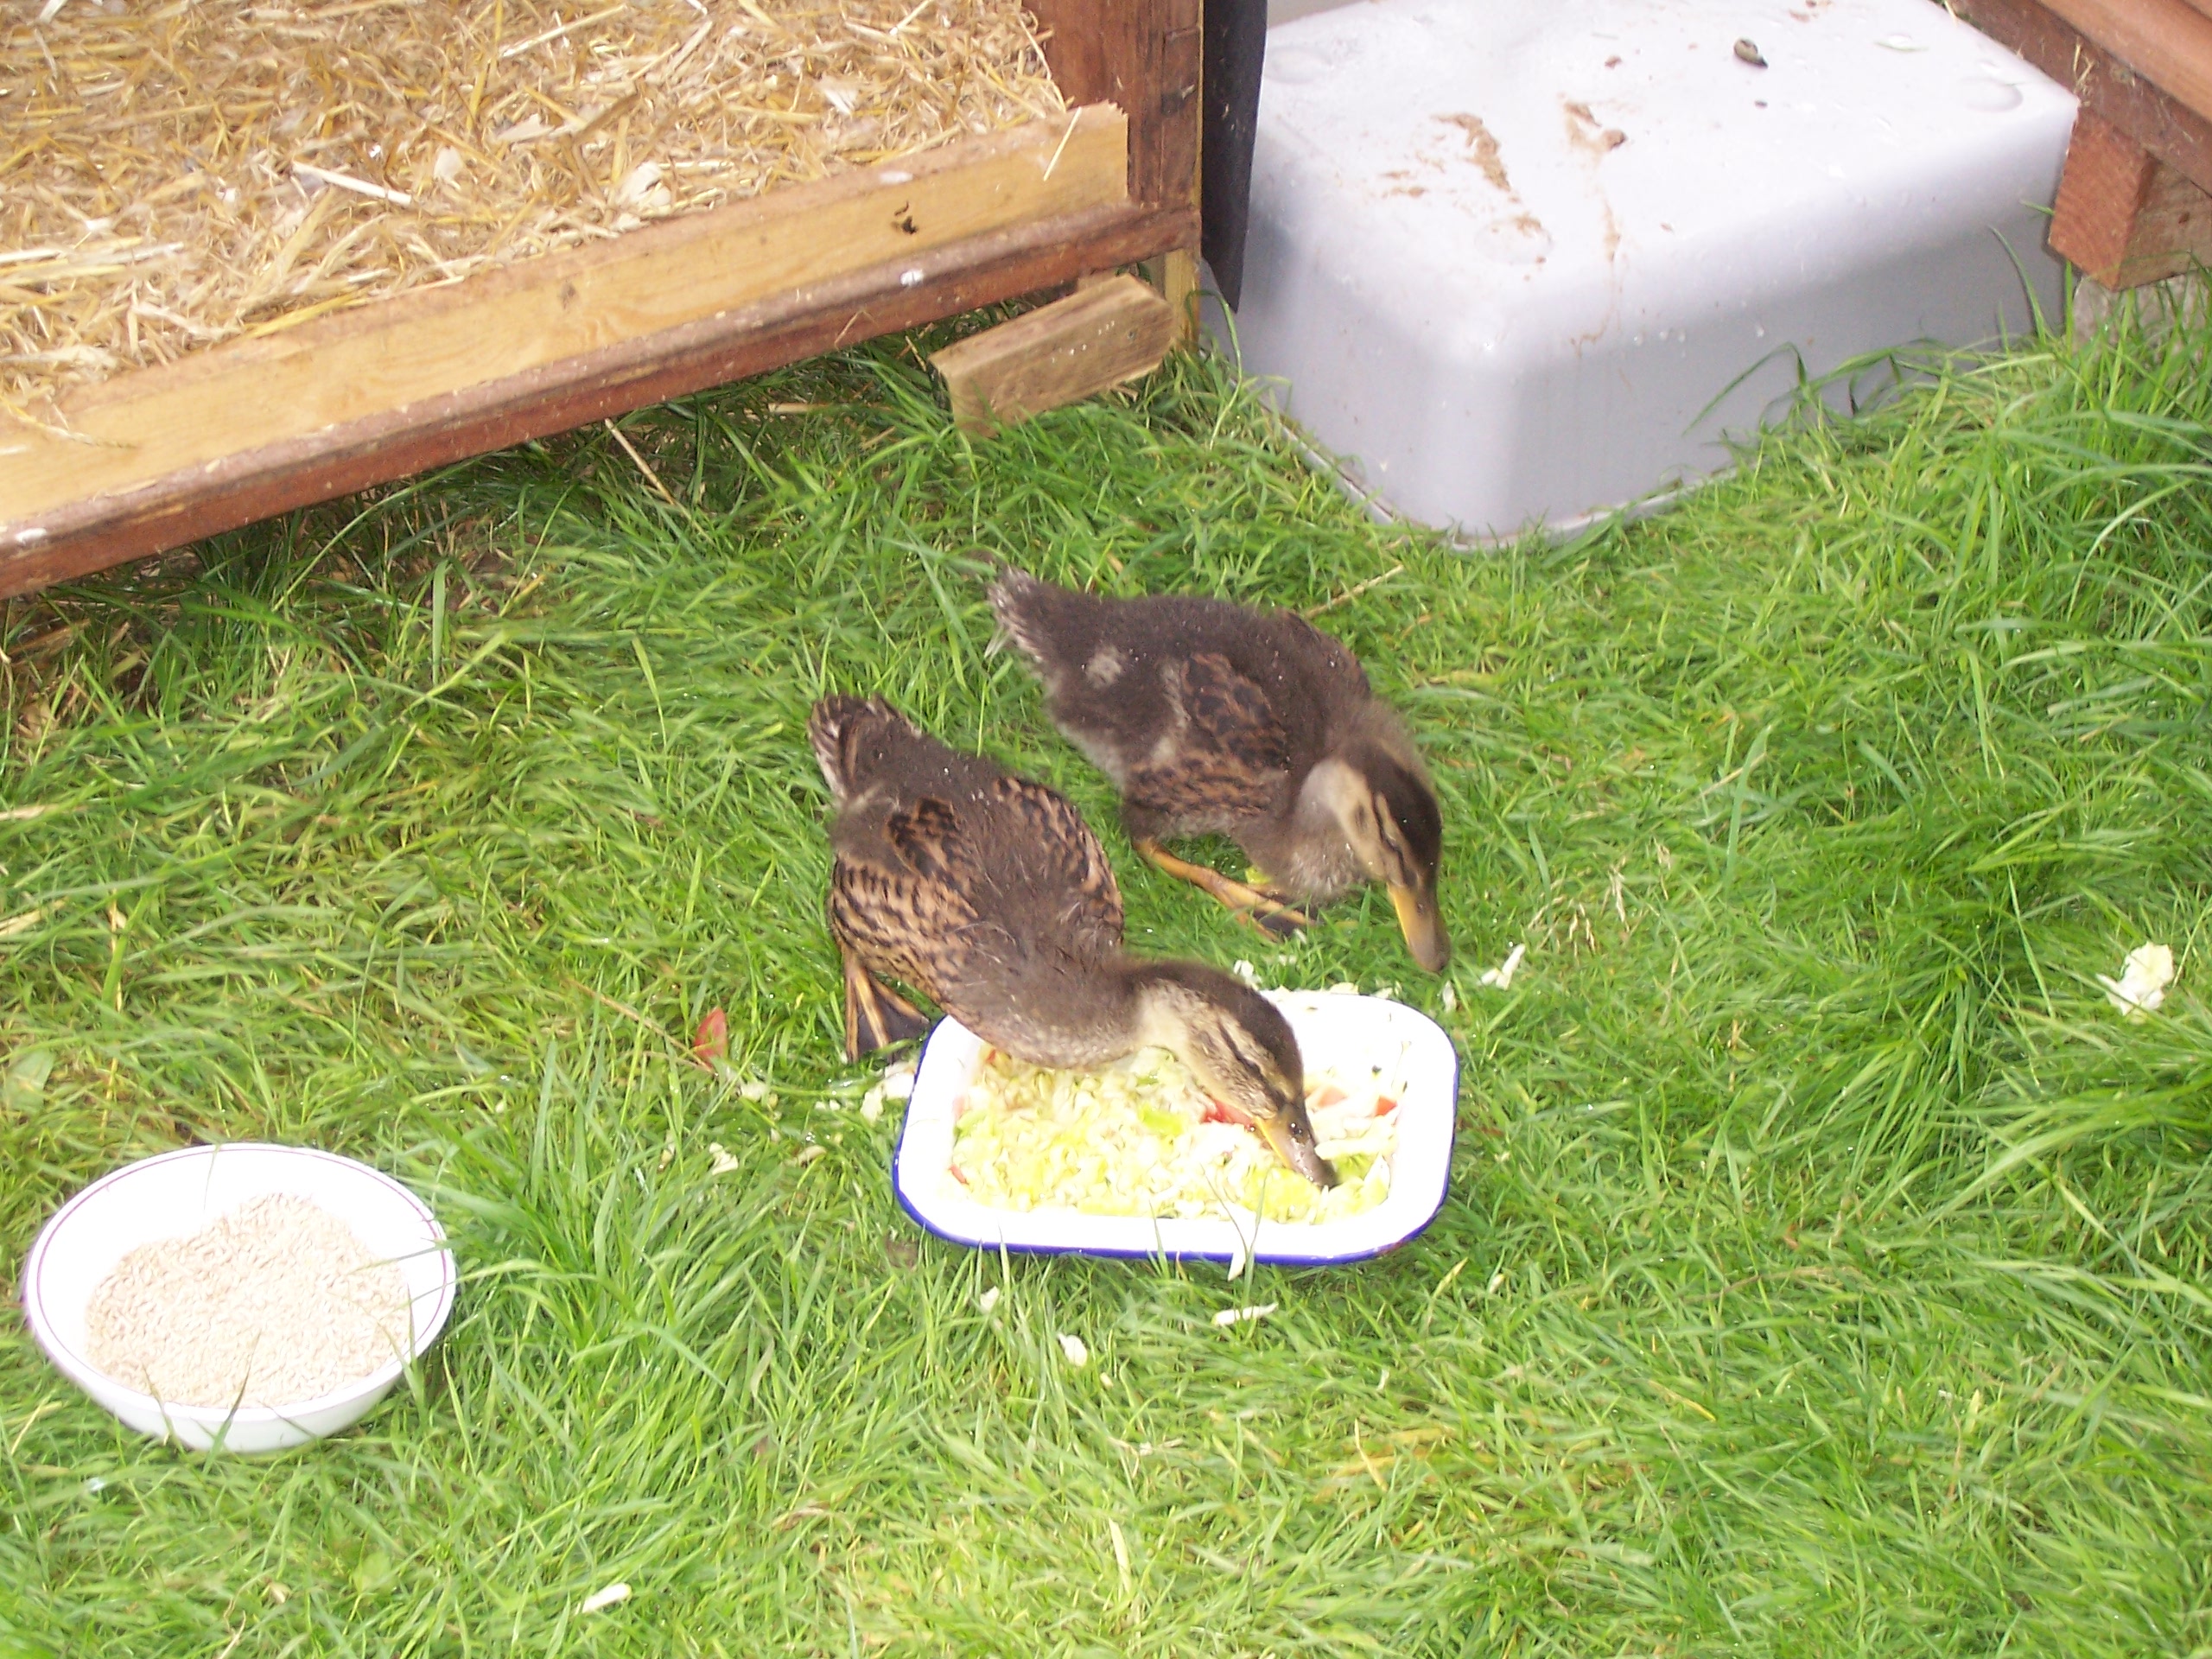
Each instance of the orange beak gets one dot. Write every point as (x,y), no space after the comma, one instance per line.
(1423,927)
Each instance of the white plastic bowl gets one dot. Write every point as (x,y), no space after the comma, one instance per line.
(1333,1029)
(177,1193)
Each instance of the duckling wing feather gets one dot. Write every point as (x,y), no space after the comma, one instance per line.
(898,921)
(966,900)
(1226,756)
(926,835)
(1068,871)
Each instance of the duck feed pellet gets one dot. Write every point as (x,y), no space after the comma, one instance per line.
(276,1302)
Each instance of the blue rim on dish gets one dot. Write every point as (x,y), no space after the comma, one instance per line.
(947,1060)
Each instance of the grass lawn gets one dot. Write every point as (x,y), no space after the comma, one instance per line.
(1825,1265)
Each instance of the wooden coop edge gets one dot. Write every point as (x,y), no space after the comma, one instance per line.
(2103,79)
(401,443)
(260,426)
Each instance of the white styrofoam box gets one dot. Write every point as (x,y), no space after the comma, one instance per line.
(1524,263)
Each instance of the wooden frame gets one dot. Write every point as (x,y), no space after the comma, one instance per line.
(160,457)
(2123,216)
(2135,200)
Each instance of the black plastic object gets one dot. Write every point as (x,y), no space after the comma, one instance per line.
(1236,44)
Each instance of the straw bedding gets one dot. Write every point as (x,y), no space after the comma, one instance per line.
(174,172)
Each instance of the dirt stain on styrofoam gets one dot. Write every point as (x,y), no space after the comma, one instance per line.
(1489,159)
(1484,144)
(1593,140)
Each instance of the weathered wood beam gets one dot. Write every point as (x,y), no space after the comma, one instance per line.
(2124,216)
(2130,101)
(257,426)
(1099,336)
(1143,56)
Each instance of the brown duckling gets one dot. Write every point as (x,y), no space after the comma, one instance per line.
(1218,719)
(989,895)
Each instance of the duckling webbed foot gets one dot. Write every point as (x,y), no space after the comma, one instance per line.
(875,1016)
(1271,915)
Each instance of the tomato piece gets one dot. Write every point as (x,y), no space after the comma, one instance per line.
(1385,1106)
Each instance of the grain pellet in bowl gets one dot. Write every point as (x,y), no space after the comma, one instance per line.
(277,1302)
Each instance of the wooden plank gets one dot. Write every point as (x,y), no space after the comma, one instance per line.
(200,413)
(1074,348)
(2100,194)
(631,375)
(1142,56)
(2170,130)
(2123,216)
(2168,42)
(2173,233)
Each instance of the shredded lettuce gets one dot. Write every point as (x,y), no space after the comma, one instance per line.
(1140,1138)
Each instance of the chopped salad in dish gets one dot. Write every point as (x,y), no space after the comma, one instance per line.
(1142,1138)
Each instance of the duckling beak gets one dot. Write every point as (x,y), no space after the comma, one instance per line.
(1423,928)
(1292,1136)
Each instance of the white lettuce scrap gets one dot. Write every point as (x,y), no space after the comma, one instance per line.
(2143,980)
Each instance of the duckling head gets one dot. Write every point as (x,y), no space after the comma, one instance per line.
(1242,1051)
(1388,809)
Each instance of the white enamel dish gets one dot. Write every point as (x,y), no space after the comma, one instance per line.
(177,1193)
(1335,1030)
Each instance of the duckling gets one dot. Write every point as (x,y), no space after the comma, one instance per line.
(989,895)
(1215,718)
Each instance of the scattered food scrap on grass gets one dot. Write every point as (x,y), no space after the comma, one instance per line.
(598,1599)
(897,1082)
(27,1070)
(1072,1348)
(989,1299)
(1230,1316)
(723,1162)
(2143,980)
(1501,977)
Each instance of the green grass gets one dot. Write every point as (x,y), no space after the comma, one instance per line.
(1825,1269)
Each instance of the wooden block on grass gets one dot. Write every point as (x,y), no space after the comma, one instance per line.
(1098,337)
(2125,217)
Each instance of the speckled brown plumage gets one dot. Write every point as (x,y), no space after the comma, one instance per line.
(988,894)
(1215,718)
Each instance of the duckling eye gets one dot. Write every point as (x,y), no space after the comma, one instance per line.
(1393,840)
(1252,1056)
